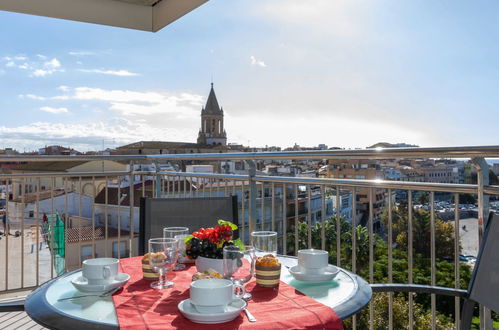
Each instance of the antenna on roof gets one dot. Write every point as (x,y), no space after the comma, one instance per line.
(212,81)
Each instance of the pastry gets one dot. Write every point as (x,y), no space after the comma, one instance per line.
(207,274)
(147,272)
(268,271)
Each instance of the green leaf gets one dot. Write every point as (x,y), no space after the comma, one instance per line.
(187,239)
(227,223)
(239,244)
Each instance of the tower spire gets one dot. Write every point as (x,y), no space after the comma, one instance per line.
(212,130)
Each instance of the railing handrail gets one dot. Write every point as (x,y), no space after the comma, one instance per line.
(376,183)
(375,153)
(382,184)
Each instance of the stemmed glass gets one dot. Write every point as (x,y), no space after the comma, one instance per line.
(179,233)
(163,254)
(265,242)
(239,265)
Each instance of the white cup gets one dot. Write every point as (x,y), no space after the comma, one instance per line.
(213,295)
(313,261)
(100,270)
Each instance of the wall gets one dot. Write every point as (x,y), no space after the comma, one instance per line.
(101,249)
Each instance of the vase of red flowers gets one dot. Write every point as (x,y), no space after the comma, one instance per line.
(206,245)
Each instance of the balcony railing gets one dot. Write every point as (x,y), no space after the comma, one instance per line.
(98,214)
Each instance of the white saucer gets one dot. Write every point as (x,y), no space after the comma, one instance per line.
(81,283)
(231,312)
(329,273)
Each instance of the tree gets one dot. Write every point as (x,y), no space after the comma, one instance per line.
(421,230)
(400,310)
(493,178)
(467,199)
(316,232)
(424,198)
(444,270)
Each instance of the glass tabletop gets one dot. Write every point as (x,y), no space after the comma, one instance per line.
(342,294)
(97,309)
(330,293)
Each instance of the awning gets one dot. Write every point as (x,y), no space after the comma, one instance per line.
(147,15)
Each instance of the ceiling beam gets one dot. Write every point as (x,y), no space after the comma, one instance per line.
(107,12)
(168,11)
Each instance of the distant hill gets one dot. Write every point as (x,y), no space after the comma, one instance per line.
(392,145)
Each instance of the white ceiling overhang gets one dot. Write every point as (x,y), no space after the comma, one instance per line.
(146,15)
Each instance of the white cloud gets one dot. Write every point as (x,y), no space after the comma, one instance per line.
(52,64)
(81,53)
(40,68)
(54,110)
(133,103)
(32,97)
(49,67)
(63,88)
(256,62)
(60,97)
(41,73)
(88,136)
(24,66)
(121,73)
(88,93)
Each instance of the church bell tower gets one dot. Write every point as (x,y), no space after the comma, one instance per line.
(212,130)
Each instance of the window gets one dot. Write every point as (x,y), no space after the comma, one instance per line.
(86,252)
(122,246)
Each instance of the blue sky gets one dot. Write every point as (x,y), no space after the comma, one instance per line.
(344,73)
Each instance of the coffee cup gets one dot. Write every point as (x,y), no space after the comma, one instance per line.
(213,295)
(100,270)
(312,261)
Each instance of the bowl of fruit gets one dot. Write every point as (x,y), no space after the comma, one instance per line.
(206,245)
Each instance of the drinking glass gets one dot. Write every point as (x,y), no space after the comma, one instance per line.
(163,254)
(177,232)
(239,265)
(265,242)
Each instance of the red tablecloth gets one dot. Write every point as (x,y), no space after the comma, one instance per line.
(140,307)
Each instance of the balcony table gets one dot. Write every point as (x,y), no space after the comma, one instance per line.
(346,294)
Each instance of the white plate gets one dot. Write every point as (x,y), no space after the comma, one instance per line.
(81,283)
(329,273)
(231,312)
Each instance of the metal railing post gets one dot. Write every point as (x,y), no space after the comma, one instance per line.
(131,207)
(483,213)
(252,195)
(158,180)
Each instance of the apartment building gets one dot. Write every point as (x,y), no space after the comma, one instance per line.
(441,173)
(360,169)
